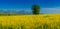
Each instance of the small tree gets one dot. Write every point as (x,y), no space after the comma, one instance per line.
(35,9)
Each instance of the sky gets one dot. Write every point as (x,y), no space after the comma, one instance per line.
(51,7)
(18,3)
(47,6)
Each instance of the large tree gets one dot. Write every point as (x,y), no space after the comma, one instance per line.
(35,9)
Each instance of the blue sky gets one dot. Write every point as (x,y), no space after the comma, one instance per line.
(47,6)
(18,3)
(51,7)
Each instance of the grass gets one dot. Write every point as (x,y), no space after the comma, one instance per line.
(50,21)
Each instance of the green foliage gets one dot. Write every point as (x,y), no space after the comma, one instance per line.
(46,26)
(36,9)
(36,26)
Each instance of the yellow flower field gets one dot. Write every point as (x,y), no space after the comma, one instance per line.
(43,21)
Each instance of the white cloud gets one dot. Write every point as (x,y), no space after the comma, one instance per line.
(55,10)
(16,10)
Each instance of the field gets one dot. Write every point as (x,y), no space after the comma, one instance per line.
(43,21)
